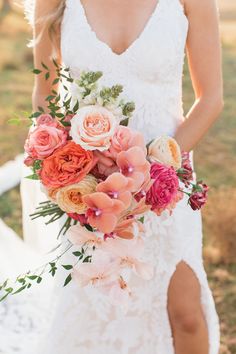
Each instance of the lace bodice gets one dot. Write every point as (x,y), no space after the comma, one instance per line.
(150,69)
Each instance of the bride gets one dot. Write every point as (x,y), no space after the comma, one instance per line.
(141,45)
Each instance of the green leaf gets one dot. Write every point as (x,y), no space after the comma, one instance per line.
(44,66)
(36,114)
(36,71)
(87,259)
(88,227)
(20,290)
(32,277)
(41,109)
(76,107)
(141,219)
(33,177)
(68,280)
(77,254)
(47,75)
(55,63)
(39,280)
(14,121)
(67,267)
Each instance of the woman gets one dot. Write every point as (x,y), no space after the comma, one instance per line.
(141,44)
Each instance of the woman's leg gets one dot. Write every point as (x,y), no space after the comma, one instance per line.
(187,320)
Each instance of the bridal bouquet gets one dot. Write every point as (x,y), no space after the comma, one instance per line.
(101,179)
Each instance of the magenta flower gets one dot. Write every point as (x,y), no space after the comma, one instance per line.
(164,192)
(198,198)
(185,173)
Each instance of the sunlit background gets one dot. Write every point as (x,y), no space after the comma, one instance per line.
(215,157)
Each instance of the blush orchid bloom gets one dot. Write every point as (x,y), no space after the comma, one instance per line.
(79,236)
(133,164)
(117,187)
(100,272)
(103,211)
(128,253)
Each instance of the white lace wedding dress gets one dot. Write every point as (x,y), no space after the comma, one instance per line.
(82,321)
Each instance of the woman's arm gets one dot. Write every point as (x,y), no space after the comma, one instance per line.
(43,52)
(204,58)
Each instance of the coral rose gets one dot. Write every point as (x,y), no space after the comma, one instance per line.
(165,150)
(92,127)
(69,198)
(67,165)
(163,193)
(43,140)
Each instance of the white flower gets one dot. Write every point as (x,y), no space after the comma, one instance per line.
(165,150)
(93,127)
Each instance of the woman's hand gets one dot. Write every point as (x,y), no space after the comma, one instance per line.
(204,58)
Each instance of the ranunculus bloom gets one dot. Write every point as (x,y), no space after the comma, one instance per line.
(70,198)
(103,212)
(92,127)
(117,187)
(163,193)
(198,199)
(46,119)
(67,165)
(43,140)
(165,150)
(133,164)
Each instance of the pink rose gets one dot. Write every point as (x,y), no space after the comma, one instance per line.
(163,193)
(28,161)
(46,119)
(43,140)
(125,138)
(198,199)
(93,127)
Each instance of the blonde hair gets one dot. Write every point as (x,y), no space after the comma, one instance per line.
(51,23)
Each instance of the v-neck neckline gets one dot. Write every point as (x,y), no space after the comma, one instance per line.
(133,43)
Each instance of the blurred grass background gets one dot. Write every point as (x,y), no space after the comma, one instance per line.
(215,157)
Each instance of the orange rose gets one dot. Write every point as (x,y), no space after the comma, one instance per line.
(67,165)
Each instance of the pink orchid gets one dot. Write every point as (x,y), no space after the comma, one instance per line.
(79,236)
(100,272)
(103,211)
(128,253)
(117,187)
(119,293)
(133,164)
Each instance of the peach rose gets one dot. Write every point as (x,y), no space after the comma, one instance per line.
(92,127)
(125,138)
(43,140)
(69,198)
(166,151)
(67,165)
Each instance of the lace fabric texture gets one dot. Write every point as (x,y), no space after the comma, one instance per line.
(82,321)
